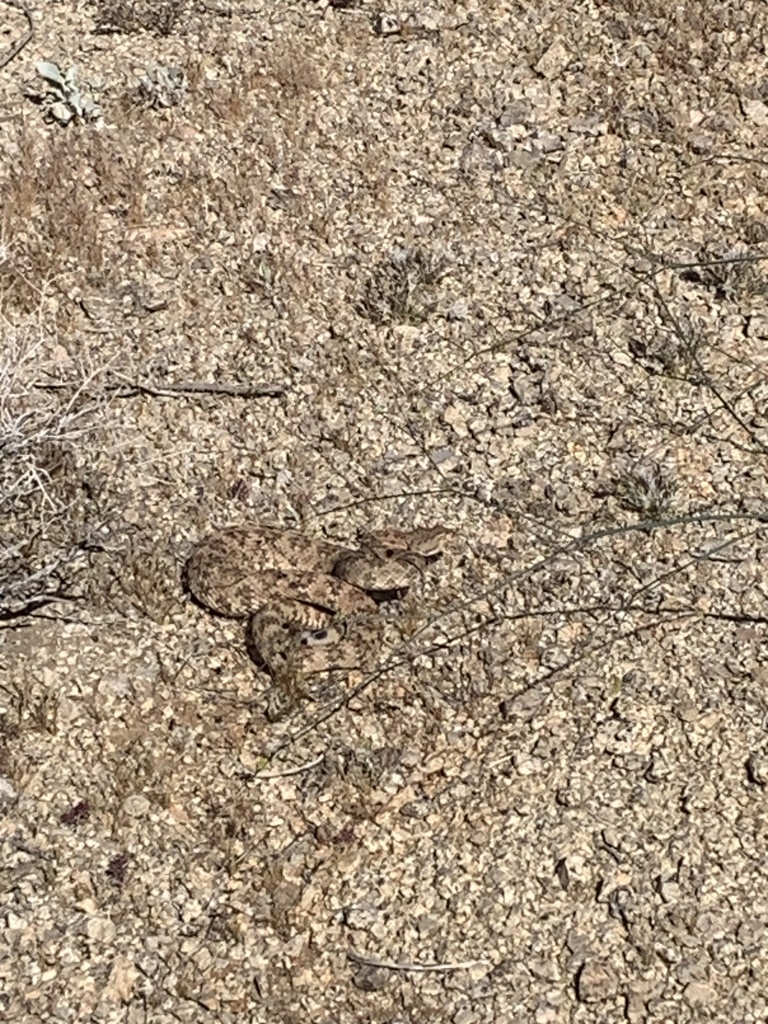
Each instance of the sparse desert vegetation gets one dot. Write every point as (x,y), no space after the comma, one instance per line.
(337,266)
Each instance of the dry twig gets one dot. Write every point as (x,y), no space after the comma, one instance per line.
(262,776)
(394,965)
(191,387)
(20,43)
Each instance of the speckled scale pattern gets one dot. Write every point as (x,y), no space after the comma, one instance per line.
(307,599)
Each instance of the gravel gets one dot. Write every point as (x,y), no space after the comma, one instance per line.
(505,263)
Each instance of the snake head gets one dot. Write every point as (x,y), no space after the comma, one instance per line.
(388,562)
(427,542)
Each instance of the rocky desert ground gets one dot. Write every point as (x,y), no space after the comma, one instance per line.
(337,266)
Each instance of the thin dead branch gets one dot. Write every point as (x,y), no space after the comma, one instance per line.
(191,387)
(401,965)
(264,776)
(16,48)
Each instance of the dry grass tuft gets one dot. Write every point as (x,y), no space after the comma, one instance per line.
(674,349)
(60,194)
(46,499)
(645,487)
(126,16)
(397,291)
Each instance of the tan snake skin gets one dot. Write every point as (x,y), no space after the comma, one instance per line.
(309,603)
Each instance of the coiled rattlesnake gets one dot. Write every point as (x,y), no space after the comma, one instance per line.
(311,605)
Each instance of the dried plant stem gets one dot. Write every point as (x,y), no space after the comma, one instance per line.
(191,387)
(400,965)
(262,776)
(22,41)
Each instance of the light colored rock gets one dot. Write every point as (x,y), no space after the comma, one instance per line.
(596,982)
(100,929)
(136,806)
(699,994)
(554,61)
(122,981)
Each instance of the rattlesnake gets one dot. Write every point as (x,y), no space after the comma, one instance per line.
(311,604)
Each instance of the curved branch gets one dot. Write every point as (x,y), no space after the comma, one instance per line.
(20,43)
